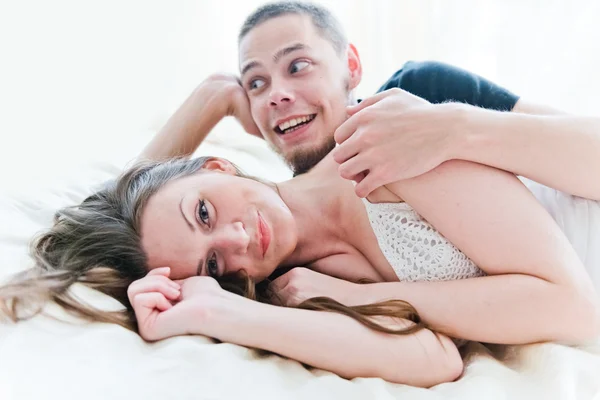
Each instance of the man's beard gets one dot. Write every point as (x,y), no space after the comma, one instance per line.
(302,161)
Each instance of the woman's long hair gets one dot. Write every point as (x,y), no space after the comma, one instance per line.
(98,244)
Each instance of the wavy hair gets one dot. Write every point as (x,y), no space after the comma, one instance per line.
(98,244)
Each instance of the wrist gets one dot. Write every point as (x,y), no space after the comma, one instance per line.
(214,97)
(464,136)
(359,295)
(232,318)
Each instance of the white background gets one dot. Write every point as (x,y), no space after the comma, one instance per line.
(84,80)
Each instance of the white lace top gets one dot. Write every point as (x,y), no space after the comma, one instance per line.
(415,250)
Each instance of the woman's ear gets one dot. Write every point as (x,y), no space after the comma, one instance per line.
(220,165)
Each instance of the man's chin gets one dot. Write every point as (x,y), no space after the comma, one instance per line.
(303,160)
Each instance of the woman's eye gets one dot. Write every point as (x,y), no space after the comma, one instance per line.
(298,66)
(213,266)
(256,84)
(203,212)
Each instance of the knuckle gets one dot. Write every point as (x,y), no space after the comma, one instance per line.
(367,138)
(163,279)
(375,175)
(293,290)
(219,76)
(344,172)
(364,116)
(336,155)
(295,273)
(337,135)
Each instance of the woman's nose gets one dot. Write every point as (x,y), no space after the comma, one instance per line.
(234,238)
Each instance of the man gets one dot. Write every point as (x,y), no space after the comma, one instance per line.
(297,76)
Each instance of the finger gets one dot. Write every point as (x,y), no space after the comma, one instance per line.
(345,151)
(154,278)
(276,298)
(359,177)
(160,287)
(280,283)
(367,185)
(165,271)
(248,123)
(244,114)
(148,307)
(369,101)
(154,285)
(145,303)
(346,129)
(353,167)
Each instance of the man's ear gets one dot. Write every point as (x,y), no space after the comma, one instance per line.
(354,67)
(220,165)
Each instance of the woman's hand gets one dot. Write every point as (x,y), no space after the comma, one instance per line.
(301,284)
(166,308)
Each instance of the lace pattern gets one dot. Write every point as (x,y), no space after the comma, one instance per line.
(415,250)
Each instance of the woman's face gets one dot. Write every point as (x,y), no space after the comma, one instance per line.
(215,223)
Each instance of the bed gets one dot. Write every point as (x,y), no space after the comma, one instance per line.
(46,359)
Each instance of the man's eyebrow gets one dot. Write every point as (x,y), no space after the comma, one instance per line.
(249,66)
(183,214)
(281,53)
(287,50)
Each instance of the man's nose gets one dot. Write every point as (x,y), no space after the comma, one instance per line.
(280,94)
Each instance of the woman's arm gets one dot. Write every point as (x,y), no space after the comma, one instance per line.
(340,344)
(215,98)
(539,289)
(330,341)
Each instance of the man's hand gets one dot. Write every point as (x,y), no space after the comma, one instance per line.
(301,284)
(234,98)
(392,136)
(215,98)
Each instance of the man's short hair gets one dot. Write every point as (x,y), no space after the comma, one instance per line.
(323,20)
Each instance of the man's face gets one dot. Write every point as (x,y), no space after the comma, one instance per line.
(298,87)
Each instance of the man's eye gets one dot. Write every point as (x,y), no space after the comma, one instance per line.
(203,212)
(298,66)
(256,84)
(213,266)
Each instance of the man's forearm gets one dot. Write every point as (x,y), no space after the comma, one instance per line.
(560,151)
(342,345)
(509,309)
(187,128)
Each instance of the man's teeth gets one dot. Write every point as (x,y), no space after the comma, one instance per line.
(293,122)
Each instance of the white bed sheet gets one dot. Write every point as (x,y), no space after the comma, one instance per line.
(46,359)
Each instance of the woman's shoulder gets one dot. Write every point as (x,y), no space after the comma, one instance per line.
(383,195)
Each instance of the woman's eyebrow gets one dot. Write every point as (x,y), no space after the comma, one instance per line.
(184,216)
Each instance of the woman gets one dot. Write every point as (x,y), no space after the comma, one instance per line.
(160,237)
